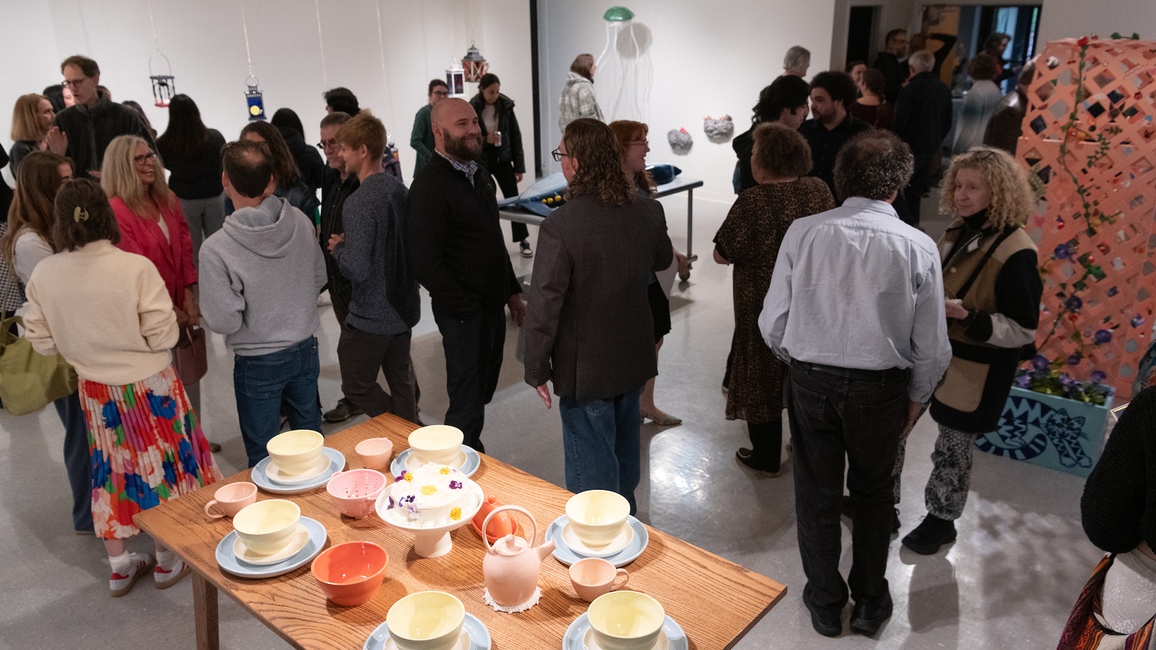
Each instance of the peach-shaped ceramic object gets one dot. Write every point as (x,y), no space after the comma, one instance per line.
(351,573)
(501,526)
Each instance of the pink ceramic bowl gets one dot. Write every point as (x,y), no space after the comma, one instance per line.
(355,491)
(351,573)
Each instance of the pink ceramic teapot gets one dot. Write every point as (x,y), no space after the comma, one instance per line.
(512,565)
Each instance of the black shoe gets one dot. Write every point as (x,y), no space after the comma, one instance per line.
(868,615)
(342,412)
(930,535)
(526,250)
(825,623)
(745,456)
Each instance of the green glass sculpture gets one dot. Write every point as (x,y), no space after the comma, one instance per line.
(618,14)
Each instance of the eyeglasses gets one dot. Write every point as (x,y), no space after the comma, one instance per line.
(73,83)
(328,144)
(644,143)
(558,155)
(148,157)
(441,93)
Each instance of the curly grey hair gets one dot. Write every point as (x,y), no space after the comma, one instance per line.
(874,165)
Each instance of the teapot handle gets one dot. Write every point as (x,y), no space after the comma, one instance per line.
(486,524)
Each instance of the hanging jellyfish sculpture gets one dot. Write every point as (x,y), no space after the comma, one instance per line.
(624,76)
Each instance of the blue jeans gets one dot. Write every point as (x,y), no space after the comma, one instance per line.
(77,459)
(845,419)
(601,439)
(264,382)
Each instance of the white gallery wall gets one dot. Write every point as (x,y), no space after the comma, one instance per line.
(709,58)
(205,43)
(1076,18)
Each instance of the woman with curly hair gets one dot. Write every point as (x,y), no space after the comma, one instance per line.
(992,286)
(108,313)
(588,324)
(633,147)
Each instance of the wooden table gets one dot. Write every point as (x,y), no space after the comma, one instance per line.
(715,601)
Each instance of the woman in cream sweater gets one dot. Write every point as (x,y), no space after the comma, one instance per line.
(109,314)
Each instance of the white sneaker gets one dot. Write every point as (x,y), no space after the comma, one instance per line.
(526,250)
(120,584)
(167,578)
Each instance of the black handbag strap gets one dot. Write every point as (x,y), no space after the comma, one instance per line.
(1008,232)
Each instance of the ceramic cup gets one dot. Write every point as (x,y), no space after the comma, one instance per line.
(594,576)
(267,526)
(351,573)
(597,516)
(355,492)
(231,499)
(295,452)
(626,620)
(427,620)
(438,444)
(374,453)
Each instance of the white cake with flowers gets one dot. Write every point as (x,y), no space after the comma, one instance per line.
(430,496)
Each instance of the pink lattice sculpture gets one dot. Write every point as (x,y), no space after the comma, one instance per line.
(1090,140)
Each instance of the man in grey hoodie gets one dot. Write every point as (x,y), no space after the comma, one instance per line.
(260,276)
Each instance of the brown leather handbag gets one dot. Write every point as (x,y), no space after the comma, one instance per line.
(190,356)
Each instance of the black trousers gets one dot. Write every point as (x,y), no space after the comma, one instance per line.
(474,349)
(504,175)
(360,355)
(845,418)
(766,443)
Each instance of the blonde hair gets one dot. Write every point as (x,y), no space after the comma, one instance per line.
(1007,180)
(628,132)
(119,178)
(26,118)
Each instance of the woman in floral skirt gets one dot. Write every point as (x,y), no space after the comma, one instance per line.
(109,314)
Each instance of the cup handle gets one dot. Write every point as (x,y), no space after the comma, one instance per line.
(625,579)
(213,515)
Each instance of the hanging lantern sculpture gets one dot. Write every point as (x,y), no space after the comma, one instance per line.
(163,86)
(456,80)
(475,65)
(256,103)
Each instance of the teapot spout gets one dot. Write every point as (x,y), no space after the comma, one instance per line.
(546,549)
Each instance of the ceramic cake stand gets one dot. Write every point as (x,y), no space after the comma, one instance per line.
(432,542)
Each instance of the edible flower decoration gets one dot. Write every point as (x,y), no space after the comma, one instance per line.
(428,490)
(390,506)
(404,476)
(456,514)
(455,485)
(444,470)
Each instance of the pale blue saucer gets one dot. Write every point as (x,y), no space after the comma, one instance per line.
(574,639)
(567,556)
(471,465)
(336,464)
(479,635)
(228,561)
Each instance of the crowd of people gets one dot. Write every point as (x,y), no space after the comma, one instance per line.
(847,315)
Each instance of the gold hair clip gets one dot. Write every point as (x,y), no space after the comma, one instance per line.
(79,214)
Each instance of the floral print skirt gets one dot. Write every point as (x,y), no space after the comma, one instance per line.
(147,447)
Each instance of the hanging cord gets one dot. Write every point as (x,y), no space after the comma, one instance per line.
(381,45)
(153,22)
(245,28)
(321,44)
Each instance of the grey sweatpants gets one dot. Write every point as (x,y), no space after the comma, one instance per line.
(205,217)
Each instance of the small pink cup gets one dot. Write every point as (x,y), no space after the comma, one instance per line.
(593,577)
(231,499)
(354,492)
(374,452)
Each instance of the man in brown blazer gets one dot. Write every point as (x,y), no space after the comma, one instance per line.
(588,323)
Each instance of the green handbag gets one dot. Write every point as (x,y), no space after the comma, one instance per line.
(29,381)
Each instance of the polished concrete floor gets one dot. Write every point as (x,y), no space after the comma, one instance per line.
(1009,581)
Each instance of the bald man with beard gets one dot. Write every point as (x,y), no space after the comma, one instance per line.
(460,257)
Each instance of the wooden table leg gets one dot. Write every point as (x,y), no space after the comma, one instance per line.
(205,610)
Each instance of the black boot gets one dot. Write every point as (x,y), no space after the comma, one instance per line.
(930,535)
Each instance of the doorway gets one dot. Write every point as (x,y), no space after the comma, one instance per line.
(860,29)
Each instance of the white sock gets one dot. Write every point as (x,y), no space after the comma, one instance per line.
(166,559)
(121,564)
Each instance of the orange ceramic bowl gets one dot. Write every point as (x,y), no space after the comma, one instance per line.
(351,573)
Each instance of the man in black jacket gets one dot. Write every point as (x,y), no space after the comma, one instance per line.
(459,256)
(922,120)
(833,125)
(94,120)
(894,71)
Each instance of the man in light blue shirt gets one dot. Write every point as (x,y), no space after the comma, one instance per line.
(856,307)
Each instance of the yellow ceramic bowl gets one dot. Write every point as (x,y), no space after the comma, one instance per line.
(439,444)
(295,452)
(427,620)
(626,620)
(597,516)
(266,526)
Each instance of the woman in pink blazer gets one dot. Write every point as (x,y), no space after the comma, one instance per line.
(152,225)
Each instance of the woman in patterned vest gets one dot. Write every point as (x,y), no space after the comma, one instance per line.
(992,286)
